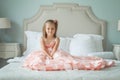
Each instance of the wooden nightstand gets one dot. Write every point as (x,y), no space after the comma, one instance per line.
(9,50)
(116,51)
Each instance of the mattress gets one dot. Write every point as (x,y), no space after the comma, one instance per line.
(14,71)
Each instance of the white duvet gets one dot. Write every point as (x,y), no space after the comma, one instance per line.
(14,71)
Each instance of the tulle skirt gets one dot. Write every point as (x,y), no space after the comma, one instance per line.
(37,60)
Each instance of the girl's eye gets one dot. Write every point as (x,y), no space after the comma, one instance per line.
(48,28)
(52,28)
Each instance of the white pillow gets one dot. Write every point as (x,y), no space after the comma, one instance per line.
(104,55)
(81,46)
(33,41)
(97,39)
(65,43)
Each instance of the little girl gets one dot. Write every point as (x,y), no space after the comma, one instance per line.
(50,58)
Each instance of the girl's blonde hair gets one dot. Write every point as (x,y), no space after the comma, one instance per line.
(44,27)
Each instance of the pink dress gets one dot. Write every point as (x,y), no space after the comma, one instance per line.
(37,60)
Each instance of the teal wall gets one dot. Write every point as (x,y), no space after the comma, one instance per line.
(18,10)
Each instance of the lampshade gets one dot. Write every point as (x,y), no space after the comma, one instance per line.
(118,25)
(4,23)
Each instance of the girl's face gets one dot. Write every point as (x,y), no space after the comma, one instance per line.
(50,29)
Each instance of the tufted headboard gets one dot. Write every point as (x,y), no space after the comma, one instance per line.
(72,18)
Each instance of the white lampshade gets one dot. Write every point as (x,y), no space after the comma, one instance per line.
(118,25)
(4,23)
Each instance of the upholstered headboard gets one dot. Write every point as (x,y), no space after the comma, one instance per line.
(72,18)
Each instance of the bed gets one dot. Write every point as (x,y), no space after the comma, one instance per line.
(73,19)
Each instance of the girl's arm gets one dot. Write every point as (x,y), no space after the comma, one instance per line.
(44,48)
(55,46)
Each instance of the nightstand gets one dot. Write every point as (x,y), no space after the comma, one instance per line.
(116,51)
(9,50)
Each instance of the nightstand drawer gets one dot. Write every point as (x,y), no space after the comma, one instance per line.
(7,54)
(8,50)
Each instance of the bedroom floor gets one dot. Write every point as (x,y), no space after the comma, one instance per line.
(3,62)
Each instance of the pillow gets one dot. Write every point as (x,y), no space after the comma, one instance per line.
(65,43)
(81,46)
(104,55)
(33,41)
(97,39)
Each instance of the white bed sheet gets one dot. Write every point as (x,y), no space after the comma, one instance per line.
(14,71)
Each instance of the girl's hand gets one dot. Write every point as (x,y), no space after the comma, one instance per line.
(50,57)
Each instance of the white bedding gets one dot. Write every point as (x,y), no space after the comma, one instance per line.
(14,71)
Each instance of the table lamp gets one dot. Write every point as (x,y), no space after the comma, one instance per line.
(4,24)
